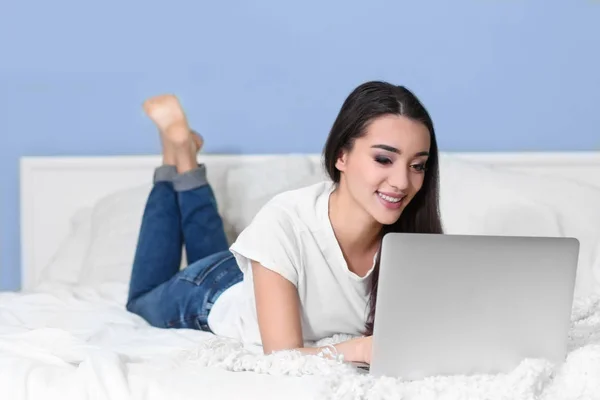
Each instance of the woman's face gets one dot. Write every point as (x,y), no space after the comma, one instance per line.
(384,170)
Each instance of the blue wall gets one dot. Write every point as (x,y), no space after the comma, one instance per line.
(269,76)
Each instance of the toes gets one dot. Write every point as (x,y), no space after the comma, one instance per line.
(197,140)
(197,137)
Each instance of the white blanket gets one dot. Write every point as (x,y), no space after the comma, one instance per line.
(80,343)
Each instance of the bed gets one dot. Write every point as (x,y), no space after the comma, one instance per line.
(66,334)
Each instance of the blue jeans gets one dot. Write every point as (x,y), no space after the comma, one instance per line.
(180,212)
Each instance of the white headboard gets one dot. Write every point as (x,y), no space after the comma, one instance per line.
(54,188)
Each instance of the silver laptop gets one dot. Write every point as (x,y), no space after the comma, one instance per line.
(454,304)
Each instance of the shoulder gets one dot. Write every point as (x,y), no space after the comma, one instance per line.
(274,236)
(286,215)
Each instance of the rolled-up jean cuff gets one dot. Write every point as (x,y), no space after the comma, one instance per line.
(165,173)
(191,179)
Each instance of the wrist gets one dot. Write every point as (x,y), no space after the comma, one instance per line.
(330,351)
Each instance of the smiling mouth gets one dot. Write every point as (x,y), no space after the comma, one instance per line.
(391,202)
(391,199)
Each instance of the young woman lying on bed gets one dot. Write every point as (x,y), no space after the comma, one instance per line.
(306,268)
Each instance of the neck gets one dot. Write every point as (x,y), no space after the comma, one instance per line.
(356,231)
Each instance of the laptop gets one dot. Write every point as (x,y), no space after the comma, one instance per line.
(463,305)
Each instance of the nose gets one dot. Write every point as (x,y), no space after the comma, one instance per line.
(400,178)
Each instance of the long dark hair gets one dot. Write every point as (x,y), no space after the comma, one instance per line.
(367,102)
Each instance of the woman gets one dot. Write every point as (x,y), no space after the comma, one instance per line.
(306,267)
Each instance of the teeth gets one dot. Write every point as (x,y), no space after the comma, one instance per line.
(388,198)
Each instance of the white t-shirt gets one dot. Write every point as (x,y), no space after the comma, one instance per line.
(292,235)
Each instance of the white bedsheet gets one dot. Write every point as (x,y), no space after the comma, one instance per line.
(79,343)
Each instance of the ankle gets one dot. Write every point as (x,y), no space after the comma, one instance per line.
(185,162)
(169,159)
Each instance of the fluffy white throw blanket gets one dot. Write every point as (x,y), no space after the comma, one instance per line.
(577,378)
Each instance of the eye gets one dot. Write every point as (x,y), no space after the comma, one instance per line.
(419,167)
(383,160)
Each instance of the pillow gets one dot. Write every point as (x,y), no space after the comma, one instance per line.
(559,207)
(115,226)
(472,202)
(65,264)
(249,188)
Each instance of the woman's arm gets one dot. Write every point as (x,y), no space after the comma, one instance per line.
(278,312)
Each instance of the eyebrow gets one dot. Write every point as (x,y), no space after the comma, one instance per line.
(395,150)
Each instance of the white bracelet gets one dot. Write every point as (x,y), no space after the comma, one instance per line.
(325,351)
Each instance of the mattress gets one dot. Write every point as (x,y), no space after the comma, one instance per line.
(79,342)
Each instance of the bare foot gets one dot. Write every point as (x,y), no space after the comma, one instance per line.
(180,144)
(166,112)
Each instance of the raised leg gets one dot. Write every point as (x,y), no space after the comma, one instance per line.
(158,253)
(181,209)
(202,226)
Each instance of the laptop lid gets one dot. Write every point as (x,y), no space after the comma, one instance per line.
(458,304)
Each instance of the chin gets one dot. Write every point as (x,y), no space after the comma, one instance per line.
(386,214)
(388,219)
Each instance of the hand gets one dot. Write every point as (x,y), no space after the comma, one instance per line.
(356,350)
(366,347)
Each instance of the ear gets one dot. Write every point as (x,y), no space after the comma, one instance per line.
(341,161)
